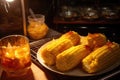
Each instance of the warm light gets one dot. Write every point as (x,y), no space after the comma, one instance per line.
(15,57)
(9,0)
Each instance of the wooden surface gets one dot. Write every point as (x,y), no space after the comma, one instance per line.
(35,73)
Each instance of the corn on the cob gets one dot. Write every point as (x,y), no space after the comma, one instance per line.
(73,36)
(51,50)
(94,40)
(71,57)
(85,40)
(99,39)
(101,58)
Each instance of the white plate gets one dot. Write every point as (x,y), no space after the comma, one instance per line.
(76,71)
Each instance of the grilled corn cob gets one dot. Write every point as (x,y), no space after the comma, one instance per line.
(101,58)
(73,36)
(99,39)
(85,40)
(94,40)
(71,57)
(51,50)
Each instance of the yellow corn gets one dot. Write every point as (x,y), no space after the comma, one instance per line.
(99,39)
(73,36)
(85,40)
(58,46)
(101,58)
(94,40)
(51,50)
(71,57)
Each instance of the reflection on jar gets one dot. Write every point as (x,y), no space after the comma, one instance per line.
(37,28)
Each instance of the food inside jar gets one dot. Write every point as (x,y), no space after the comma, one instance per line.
(15,58)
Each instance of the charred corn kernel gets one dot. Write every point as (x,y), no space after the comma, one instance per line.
(99,39)
(73,36)
(50,51)
(101,58)
(71,57)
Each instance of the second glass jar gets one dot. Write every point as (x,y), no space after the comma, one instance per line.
(37,27)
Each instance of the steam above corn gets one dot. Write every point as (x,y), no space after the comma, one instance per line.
(94,52)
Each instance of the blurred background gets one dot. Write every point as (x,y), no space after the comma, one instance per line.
(83,16)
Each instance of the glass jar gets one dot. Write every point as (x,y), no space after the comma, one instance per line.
(37,27)
(15,55)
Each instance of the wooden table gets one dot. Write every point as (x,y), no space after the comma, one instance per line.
(35,73)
